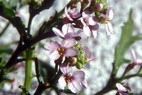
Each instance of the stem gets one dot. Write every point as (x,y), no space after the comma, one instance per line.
(29,24)
(52,83)
(28,70)
(38,74)
(40,89)
(131,76)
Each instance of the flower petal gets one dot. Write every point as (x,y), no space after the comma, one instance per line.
(54,55)
(71,52)
(87,31)
(57,32)
(73,34)
(84,84)
(75,13)
(74,86)
(91,21)
(94,28)
(110,13)
(51,45)
(133,54)
(86,14)
(109,28)
(94,32)
(68,43)
(67,28)
(65,69)
(62,82)
(79,76)
(67,14)
(121,88)
(87,52)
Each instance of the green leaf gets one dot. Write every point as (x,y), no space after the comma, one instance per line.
(2,60)
(5,10)
(126,40)
(5,48)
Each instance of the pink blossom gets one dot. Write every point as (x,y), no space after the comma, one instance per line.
(64,49)
(67,32)
(122,90)
(90,26)
(106,18)
(72,13)
(75,81)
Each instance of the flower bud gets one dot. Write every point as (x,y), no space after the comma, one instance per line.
(129,67)
(98,7)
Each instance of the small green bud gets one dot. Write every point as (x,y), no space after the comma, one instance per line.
(79,65)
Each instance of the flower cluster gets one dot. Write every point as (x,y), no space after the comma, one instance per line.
(70,52)
(89,20)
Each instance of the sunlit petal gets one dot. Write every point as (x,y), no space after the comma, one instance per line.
(57,32)
(51,45)
(67,43)
(71,52)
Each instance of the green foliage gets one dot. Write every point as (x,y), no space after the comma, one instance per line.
(5,10)
(5,48)
(2,60)
(126,40)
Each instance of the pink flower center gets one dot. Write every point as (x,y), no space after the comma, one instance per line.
(86,21)
(61,51)
(68,78)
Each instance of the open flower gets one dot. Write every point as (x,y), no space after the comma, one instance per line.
(67,31)
(122,90)
(75,82)
(65,49)
(72,13)
(105,18)
(90,26)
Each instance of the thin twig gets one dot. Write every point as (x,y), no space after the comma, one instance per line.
(4,29)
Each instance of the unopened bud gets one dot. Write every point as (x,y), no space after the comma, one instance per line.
(98,7)
(129,67)
(72,61)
